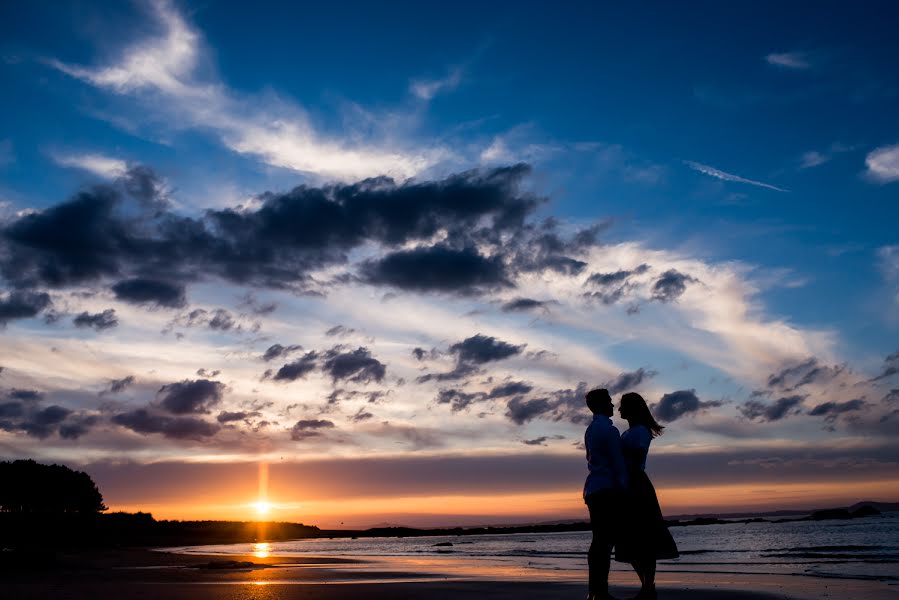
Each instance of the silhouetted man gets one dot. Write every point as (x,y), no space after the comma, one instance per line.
(603,489)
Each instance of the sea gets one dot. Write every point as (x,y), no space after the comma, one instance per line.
(864,548)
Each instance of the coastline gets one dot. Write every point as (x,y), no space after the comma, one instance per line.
(140,573)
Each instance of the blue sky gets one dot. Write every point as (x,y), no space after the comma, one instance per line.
(752,151)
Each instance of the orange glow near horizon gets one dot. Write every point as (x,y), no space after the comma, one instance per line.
(262,505)
(527,507)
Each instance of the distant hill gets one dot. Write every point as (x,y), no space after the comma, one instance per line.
(881,506)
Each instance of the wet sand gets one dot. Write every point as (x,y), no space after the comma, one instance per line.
(140,574)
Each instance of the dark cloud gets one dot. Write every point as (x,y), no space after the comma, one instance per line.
(277,351)
(99,321)
(361,415)
(24,395)
(457,399)
(22,305)
(143,185)
(471,353)
(421,354)
(540,247)
(541,441)
(76,427)
(11,409)
(832,410)
(114,231)
(611,287)
(119,385)
(190,396)
(806,372)
(357,365)
(560,405)
(338,394)
(670,286)
(218,319)
(143,421)
(156,292)
(44,422)
(207,374)
(308,428)
(677,404)
(120,232)
(228,417)
(779,409)
(23,414)
(67,244)
(890,366)
(627,381)
(221,320)
(520,411)
(298,369)
(437,269)
(251,302)
(525,305)
(511,388)
(461,371)
(339,330)
(480,349)
(891,396)
(570,405)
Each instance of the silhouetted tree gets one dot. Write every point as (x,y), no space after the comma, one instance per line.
(30,487)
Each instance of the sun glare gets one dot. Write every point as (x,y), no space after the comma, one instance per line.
(262,550)
(262,507)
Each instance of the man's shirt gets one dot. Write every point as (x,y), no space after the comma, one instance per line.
(604,459)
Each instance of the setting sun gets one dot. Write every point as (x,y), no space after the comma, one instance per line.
(262,507)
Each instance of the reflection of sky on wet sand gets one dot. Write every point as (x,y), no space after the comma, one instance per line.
(440,569)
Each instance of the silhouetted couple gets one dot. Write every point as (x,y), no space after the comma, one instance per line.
(624,510)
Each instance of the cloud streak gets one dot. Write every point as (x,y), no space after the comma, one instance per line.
(166,65)
(102,166)
(789,60)
(724,176)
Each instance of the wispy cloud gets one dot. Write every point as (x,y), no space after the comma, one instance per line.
(427,89)
(719,174)
(816,158)
(889,265)
(883,164)
(277,132)
(97,164)
(7,156)
(789,60)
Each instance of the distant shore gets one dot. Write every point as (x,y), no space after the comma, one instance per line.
(141,573)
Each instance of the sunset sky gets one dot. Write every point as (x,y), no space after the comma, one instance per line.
(374,254)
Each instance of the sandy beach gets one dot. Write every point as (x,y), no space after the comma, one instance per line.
(148,574)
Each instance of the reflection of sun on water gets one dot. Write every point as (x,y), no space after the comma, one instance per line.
(261,550)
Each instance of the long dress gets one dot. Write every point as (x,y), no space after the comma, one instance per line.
(645,535)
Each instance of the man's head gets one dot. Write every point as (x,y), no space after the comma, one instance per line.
(599,402)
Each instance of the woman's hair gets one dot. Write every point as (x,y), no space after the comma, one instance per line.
(636,408)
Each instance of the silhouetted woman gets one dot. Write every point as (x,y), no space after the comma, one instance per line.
(645,537)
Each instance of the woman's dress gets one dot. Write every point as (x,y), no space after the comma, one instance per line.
(645,535)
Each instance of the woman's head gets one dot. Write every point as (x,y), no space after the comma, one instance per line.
(633,409)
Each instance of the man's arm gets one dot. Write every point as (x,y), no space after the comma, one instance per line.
(616,458)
